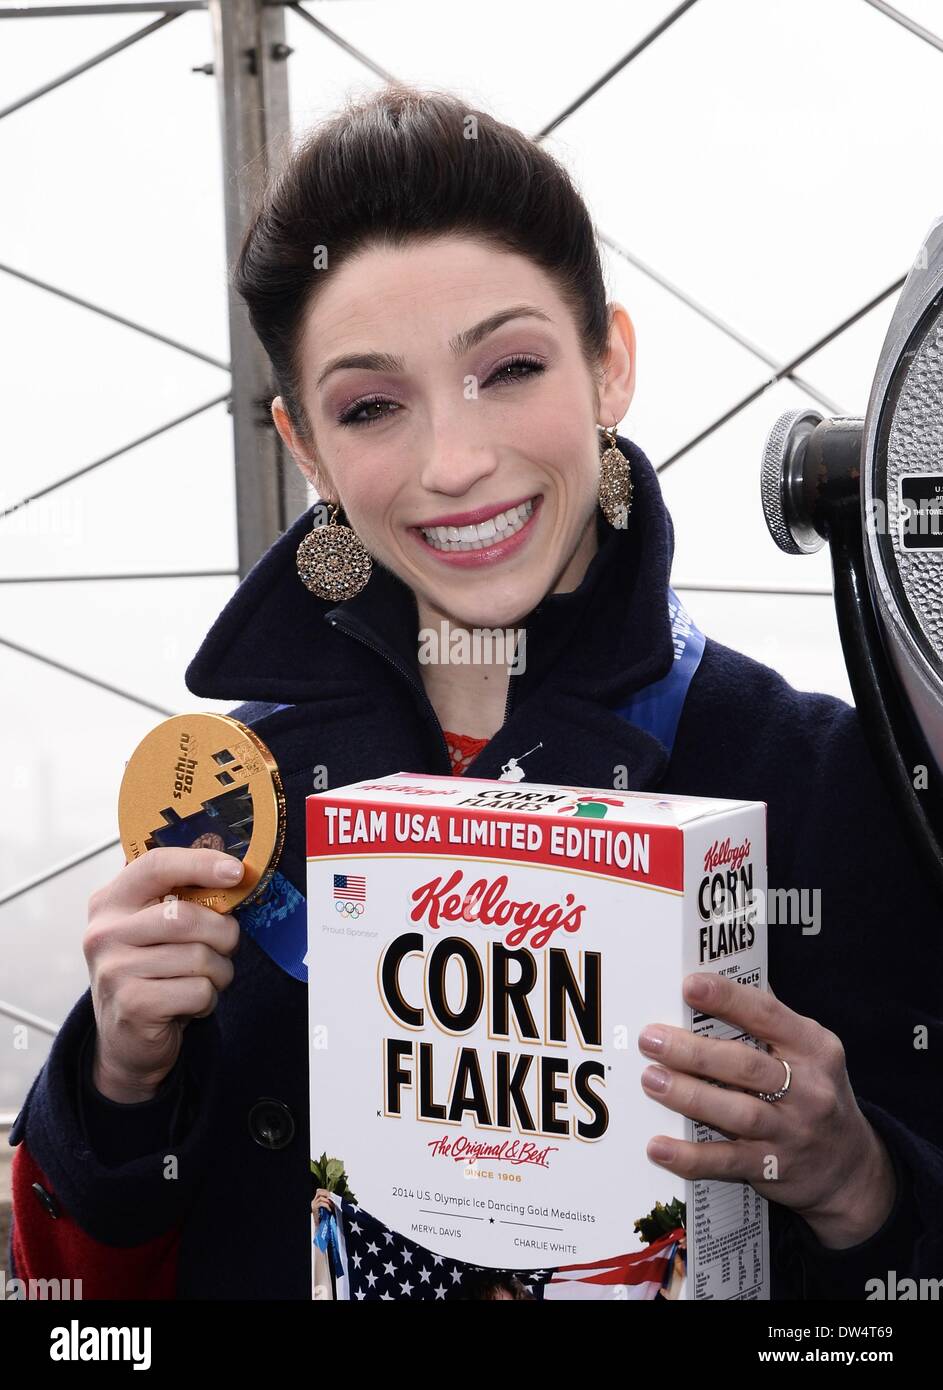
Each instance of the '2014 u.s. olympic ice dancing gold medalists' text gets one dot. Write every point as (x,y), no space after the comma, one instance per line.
(205,780)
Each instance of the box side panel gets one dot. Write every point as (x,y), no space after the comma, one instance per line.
(725,934)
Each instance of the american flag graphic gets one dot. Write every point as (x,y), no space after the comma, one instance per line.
(379,1265)
(350,887)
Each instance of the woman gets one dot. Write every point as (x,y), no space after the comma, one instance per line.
(427,285)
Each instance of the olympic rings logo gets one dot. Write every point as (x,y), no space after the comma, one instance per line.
(348,909)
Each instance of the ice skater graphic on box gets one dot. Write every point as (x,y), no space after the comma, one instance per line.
(358,1258)
(591,805)
(511,771)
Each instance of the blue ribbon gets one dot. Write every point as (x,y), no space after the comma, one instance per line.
(278,921)
(656,708)
(326,1238)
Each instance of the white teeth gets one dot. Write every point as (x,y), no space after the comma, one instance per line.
(475,537)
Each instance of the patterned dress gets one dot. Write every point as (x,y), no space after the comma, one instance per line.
(462,749)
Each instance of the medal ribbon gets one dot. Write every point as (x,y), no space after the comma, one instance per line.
(326,1239)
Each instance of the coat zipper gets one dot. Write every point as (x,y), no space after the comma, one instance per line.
(509,700)
(427,703)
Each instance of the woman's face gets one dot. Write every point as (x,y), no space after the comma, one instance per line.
(445,378)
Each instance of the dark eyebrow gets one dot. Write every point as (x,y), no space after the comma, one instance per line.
(461,343)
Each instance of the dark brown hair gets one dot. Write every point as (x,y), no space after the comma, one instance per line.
(488,1284)
(397,165)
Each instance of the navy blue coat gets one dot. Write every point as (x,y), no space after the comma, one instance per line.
(234,1223)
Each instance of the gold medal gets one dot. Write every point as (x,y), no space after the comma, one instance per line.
(205,780)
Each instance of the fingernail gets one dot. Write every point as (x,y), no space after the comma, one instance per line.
(651,1040)
(655,1078)
(660,1151)
(697,987)
(229,870)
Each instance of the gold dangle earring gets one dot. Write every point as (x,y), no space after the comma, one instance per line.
(333,561)
(615,482)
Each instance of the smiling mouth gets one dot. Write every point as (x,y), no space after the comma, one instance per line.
(454,539)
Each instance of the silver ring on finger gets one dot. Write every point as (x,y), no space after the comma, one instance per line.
(772,1096)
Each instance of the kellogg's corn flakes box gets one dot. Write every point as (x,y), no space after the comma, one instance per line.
(481,958)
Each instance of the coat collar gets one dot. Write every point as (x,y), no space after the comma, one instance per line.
(276,641)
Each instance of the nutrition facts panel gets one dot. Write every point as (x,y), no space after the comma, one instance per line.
(729,1219)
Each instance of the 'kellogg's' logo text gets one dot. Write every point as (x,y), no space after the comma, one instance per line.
(724,853)
(484,902)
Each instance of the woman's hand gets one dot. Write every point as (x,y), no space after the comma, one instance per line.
(813,1150)
(154,964)
(321,1202)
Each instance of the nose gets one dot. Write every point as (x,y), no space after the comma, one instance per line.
(454,463)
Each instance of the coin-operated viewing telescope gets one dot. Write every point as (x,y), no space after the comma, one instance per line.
(873,490)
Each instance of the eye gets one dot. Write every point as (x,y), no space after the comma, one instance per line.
(517,368)
(348,416)
(506,371)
